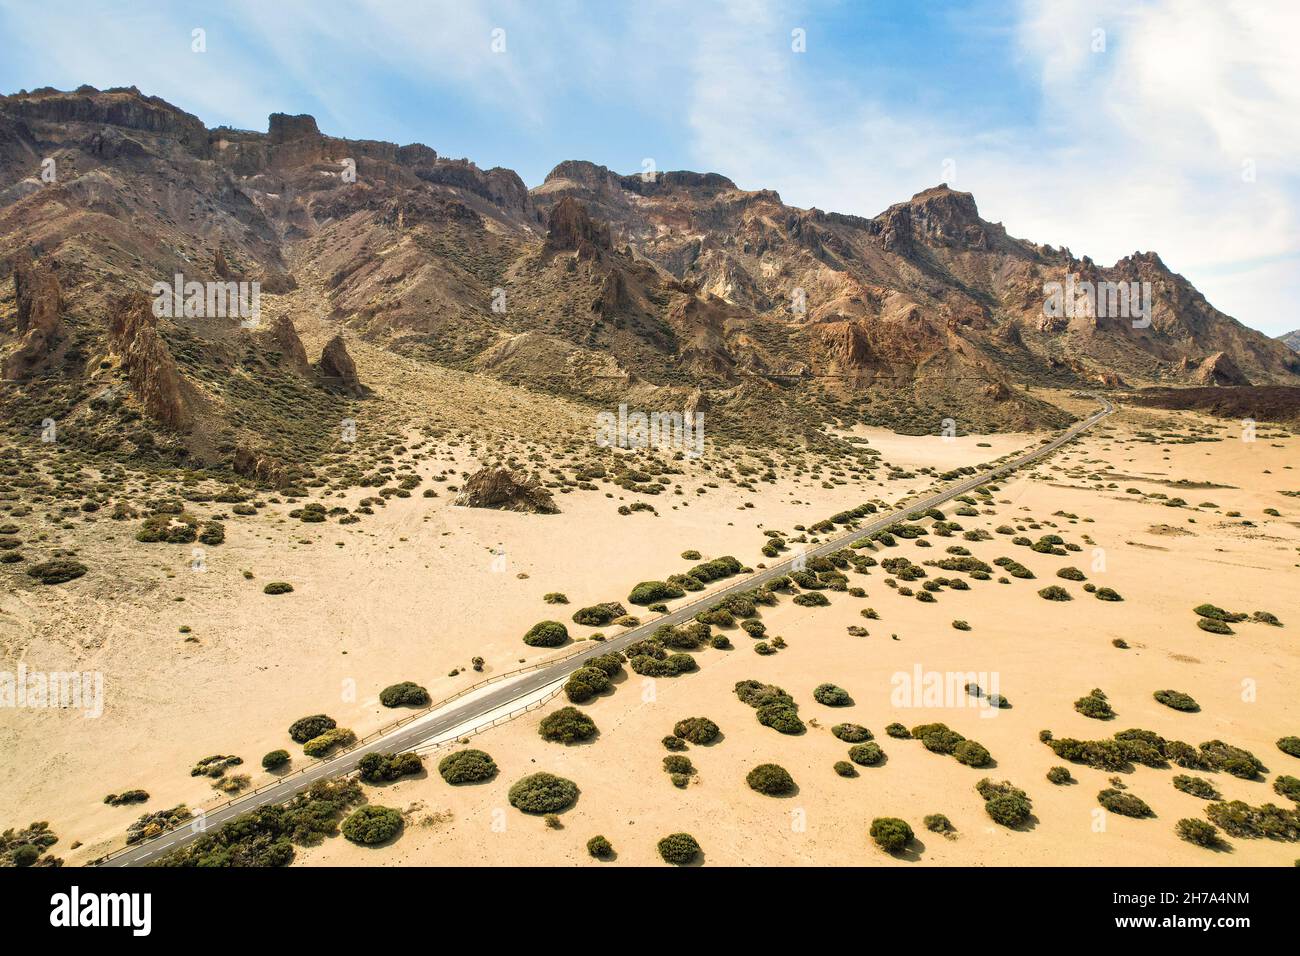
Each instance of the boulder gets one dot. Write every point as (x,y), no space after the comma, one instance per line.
(502,489)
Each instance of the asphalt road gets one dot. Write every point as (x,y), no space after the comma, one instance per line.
(419,732)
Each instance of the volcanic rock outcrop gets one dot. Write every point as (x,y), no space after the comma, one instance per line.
(336,368)
(148,363)
(39,327)
(501,489)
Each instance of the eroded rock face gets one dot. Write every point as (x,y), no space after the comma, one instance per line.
(1219,369)
(39,303)
(337,369)
(148,363)
(284,338)
(500,488)
(571,227)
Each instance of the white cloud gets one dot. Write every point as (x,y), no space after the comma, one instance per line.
(1138,147)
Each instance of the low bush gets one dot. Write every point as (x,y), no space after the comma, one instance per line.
(1239,819)
(866,755)
(1059,775)
(1197,831)
(898,731)
(567,725)
(467,766)
(938,823)
(648,592)
(57,571)
(600,848)
(1094,705)
(1004,803)
(770,779)
(1125,804)
(405,694)
(851,733)
(598,615)
(275,760)
(890,833)
(811,599)
(543,793)
(1196,786)
(1177,700)
(832,696)
(972,754)
(586,683)
(844,768)
(1213,626)
(1054,592)
(381,767)
(546,634)
(278,587)
(1289,746)
(372,824)
(1287,786)
(679,849)
(326,742)
(697,730)
(305,728)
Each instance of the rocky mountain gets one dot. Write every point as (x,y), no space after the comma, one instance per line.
(673,291)
(1291,340)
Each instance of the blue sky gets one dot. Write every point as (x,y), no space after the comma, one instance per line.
(1106,126)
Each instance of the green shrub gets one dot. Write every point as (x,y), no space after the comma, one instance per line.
(679,849)
(1196,786)
(372,824)
(600,848)
(305,728)
(697,730)
(1289,745)
(1107,594)
(867,755)
(677,764)
(648,592)
(770,779)
(1054,592)
(845,769)
(781,718)
(467,766)
(381,767)
(898,731)
(1287,786)
(1212,613)
(937,738)
(1197,831)
(1213,626)
(275,760)
(938,823)
(832,696)
(326,742)
(1071,574)
(543,793)
(1240,819)
(811,599)
(972,754)
(1125,804)
(890,833)
(1004,803)
(586,683)
(277,587)
(546,634)
(567,725)
(1094,705)
(406,693)
(1177,700)
(1233,760)
(57,571)
(851,733)
(598,615)
(1059,775)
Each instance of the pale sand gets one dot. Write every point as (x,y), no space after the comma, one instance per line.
(1046,656)
(383,609)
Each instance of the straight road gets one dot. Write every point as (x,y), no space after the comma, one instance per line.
(421,731)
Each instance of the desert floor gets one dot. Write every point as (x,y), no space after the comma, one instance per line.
(416,590)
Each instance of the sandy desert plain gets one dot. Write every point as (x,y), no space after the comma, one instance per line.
(206,663)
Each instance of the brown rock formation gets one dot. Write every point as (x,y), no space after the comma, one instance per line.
(148,363)
(571,227)
(499,488)
(284,338)
(1219,369)
(39,303)
(337,369)
(220,267)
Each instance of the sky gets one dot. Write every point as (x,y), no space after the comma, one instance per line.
(1109,127)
